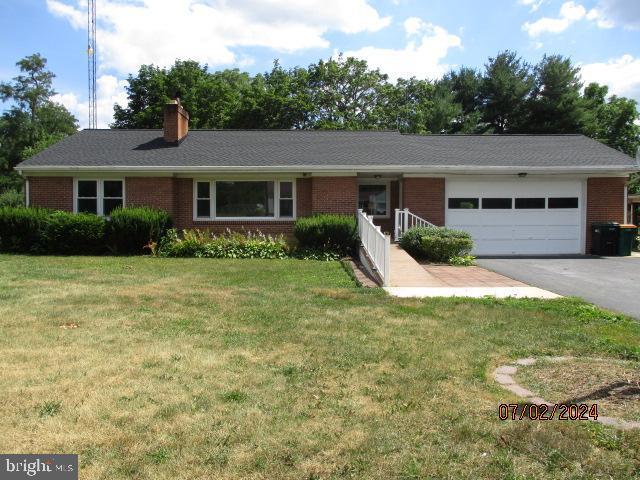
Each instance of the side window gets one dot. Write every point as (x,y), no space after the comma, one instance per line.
(203,199)
(563,202)
(464,203)
(286,199)
(112,196)
(497,203)
(530,203)
(87,201)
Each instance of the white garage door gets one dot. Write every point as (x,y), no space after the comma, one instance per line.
(519,216)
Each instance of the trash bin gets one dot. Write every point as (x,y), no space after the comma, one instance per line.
(604,238)
(626,239)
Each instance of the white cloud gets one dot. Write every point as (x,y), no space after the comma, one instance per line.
(610,13)
(109,91)
(413,25)
(427,46)
(534,4)
(597,16)
(622,75)
(132,33)
(570,12)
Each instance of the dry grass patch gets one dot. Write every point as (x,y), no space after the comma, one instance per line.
(614,385)
(194,368)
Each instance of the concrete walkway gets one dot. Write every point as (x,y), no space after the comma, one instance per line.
(406,272)
(409,278)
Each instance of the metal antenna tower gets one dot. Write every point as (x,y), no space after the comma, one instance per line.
(91,53)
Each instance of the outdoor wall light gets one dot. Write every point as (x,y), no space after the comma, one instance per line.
(522,174)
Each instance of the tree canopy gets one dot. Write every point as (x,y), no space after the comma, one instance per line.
(508,95)
(33,121)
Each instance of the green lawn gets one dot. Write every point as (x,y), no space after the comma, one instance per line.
(192,368)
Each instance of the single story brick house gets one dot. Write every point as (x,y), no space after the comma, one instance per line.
(516,194)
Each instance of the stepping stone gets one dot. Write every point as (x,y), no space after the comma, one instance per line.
(519,391)
(526,361)
(538,401)
(507,369)
(504,379)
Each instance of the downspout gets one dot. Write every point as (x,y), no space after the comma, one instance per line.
(626,202)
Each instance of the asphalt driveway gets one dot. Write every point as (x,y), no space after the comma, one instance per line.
(610,282)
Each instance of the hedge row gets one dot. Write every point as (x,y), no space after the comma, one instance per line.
(130,230)
(327,232)
(437,244)
(38,230)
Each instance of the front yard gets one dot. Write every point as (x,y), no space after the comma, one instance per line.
(191,368)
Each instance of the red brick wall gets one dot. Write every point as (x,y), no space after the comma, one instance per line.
(51,192)
(183,203)
(334,195)
(424,197)
(303,197)
(158,192)
(605,202)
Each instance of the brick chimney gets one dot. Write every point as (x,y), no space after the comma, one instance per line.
(176,122)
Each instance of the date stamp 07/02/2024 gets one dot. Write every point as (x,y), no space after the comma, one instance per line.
(544,411)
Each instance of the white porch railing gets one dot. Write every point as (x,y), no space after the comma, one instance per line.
(376,244)
(406,220)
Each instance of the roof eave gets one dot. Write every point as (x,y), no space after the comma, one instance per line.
(410,169)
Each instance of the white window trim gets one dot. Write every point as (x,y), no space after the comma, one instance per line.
(213,207)
(375,181)
(99,192)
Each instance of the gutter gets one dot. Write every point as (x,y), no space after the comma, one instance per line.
(407,169)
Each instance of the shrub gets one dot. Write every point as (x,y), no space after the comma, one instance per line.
(12,198)
(72,234)
(202,244)
(327,232)
(440,248)
(463,260)
(129,230)
(21,228)
(441,244)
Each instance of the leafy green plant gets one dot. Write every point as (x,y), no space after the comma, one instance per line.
(203,244)
(130,229)
(462,260)
(435,249)
(315,254)
(12,198)
(439,248)
(73,234)
(21,228)
(327,232)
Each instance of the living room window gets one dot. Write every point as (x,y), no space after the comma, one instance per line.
(373,198)
(99,197)
(244,199)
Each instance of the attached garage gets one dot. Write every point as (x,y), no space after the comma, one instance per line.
(518,216)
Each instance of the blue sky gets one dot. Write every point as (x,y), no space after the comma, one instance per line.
(401,37)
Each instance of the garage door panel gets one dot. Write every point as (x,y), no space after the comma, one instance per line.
(466,217)
(529,232)
(497,232)
(518,231)
(562,232)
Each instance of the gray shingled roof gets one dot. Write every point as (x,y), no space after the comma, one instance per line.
(326,149)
